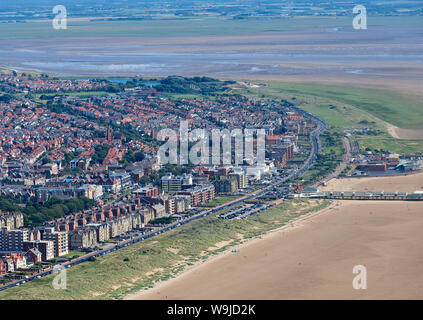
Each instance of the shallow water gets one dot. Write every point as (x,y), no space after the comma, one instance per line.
(378,52)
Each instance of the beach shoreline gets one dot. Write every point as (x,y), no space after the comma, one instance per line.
(312,257)
(292,225)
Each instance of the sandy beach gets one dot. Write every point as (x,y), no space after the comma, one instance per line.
(313,258)
(316,259)
(408,183)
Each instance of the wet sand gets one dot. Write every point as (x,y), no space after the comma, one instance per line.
(409,183)
(316,259)
(382,57)
(400,133)
(387,57)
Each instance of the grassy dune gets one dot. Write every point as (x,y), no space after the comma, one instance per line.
(346,107)
(402,110)
(386,142)
(139,266)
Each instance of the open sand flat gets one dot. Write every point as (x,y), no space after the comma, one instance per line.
(315,260)
(383,56)
(400,133)
(408,183)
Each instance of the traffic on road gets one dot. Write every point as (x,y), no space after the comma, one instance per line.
(242,214)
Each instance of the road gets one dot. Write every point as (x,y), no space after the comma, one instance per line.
(341,166)
(316,148)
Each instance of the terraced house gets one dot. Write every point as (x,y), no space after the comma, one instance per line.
(11,220)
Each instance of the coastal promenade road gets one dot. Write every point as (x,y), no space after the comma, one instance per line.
(341,166)
(316,148)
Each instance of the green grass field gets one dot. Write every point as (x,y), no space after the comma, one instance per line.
(404,111)
(178,96)
(73,254)
(139,266)
(220,200)
(76,93)
(345,107)
(82,94)
(386,142)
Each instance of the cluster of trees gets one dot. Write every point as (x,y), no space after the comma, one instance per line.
(100,153)
(113,88)
(6,98)
(345,171)
(69,156)
(155,176)
(36,214)
(70,172)
(131,134)
(175,84)
(60,108)
(195,85)
(132,156)
(47,97)
(163,220)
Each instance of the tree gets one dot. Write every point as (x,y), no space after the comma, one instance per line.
(47,160)
(139,156)
(5,98)
(144,180)
(100,153)
(47,173)
(36,214)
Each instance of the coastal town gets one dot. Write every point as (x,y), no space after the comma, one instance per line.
(80,172)
(102,150)
(210,156)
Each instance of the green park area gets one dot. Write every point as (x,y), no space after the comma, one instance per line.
(220,200)
(82,94)
(347,107)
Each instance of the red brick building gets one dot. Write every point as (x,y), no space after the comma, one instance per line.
(3,267)
(200,194)
(147,192)
(33,255)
